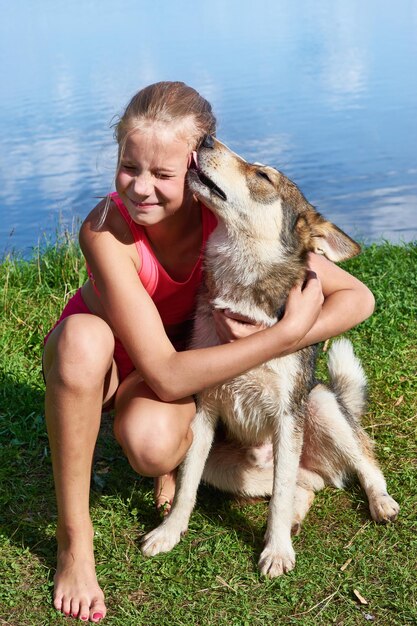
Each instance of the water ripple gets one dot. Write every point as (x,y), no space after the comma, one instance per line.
(321,91)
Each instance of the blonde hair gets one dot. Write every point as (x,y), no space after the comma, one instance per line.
(169,104)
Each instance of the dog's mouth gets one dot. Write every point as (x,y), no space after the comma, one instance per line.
(207,182)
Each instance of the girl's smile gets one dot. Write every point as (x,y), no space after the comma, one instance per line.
(145,205)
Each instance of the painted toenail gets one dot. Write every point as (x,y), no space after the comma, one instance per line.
(97,616)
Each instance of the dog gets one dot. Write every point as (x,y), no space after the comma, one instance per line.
(258,251)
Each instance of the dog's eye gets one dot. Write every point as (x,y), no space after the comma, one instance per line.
(263,174)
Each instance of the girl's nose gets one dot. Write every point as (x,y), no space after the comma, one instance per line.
(142,184)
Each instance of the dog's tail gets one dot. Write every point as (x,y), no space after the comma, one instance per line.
(347,378)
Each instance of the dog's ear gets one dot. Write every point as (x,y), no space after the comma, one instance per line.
(321,236)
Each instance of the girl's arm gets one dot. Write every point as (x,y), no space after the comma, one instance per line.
(135,320)
(347,302)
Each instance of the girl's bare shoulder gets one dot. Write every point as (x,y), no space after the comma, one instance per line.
(106,240)
(105,222)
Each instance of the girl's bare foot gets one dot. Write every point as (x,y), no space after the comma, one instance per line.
(77,592)
(164,491)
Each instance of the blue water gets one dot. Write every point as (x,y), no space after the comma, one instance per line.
(325,91)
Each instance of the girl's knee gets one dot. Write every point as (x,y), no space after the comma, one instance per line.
(153,448)
(80,350)
(153,461)
(154,435)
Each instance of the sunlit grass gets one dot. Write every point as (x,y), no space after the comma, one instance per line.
(211,578)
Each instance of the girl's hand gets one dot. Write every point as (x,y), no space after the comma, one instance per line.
(231,326)
(303,306)
(302,309)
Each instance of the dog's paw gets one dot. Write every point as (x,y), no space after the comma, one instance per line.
(161,539)
(273,563)
(384,508)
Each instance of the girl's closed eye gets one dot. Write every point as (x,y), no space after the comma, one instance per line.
(128,167)
(163,175)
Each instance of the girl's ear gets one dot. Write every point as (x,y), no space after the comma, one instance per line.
(323,237)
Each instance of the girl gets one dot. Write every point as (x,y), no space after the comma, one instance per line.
(121,338)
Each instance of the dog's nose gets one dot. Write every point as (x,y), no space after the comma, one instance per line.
(208,142)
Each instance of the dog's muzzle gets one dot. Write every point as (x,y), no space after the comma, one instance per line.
(207,182)
(196,170)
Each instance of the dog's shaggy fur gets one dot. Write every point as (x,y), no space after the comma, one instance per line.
(256,254)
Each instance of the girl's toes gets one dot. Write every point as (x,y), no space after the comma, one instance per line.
(84,611)
(58,603)
(75,607)
(66,607)
(97,611)
(97,616)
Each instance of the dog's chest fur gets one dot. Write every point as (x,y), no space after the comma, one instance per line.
(252,278)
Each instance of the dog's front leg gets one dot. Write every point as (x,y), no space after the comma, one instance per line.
(167,535)
(278,556)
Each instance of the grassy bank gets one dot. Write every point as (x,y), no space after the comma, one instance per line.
(211,578)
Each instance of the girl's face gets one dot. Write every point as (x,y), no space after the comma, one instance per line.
(151,176)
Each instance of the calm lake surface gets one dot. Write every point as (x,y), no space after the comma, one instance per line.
(325,91)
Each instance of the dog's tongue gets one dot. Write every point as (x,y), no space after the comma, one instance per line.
(194,160)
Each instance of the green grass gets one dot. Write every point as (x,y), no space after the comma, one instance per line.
(211,577)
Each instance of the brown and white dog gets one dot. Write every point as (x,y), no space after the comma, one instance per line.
(255,255)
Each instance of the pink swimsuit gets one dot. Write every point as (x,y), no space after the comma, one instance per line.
(174,300)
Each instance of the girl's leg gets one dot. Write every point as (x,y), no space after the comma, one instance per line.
(154,435)
(164,491)
(79,374)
